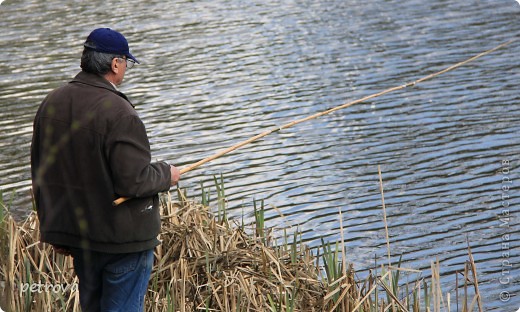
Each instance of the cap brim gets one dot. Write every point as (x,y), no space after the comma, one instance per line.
(132,57)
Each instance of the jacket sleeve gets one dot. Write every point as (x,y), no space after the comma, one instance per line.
(129,157)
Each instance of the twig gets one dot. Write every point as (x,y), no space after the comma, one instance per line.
(384,214)
(475,280)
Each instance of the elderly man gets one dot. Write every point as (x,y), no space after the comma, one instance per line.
(90,147)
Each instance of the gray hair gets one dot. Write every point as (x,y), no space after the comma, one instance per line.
(96,62)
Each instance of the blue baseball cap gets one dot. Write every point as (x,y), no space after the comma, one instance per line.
(106,40)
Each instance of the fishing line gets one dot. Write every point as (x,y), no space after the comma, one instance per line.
(295,122)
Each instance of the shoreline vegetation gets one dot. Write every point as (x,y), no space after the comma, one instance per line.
(207,262)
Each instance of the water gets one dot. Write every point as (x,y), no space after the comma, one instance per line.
(217,72)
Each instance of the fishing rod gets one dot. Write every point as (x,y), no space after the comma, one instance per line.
(295,122)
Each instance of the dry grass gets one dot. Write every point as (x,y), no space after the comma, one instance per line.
(208,263)
(205,264)
(26,263)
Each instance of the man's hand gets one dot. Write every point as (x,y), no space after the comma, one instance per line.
(176,175)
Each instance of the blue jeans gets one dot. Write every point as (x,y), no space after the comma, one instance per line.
(112,282)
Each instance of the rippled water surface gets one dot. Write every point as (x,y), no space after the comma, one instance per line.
(217,72)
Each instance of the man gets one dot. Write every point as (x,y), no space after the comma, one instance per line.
(89,147)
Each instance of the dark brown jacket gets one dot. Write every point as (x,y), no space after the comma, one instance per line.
(90,147)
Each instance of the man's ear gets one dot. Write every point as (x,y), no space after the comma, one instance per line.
(115,65)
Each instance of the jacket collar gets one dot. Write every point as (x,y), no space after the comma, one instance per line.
(99,82)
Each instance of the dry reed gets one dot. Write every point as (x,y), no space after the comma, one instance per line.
(207,263)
